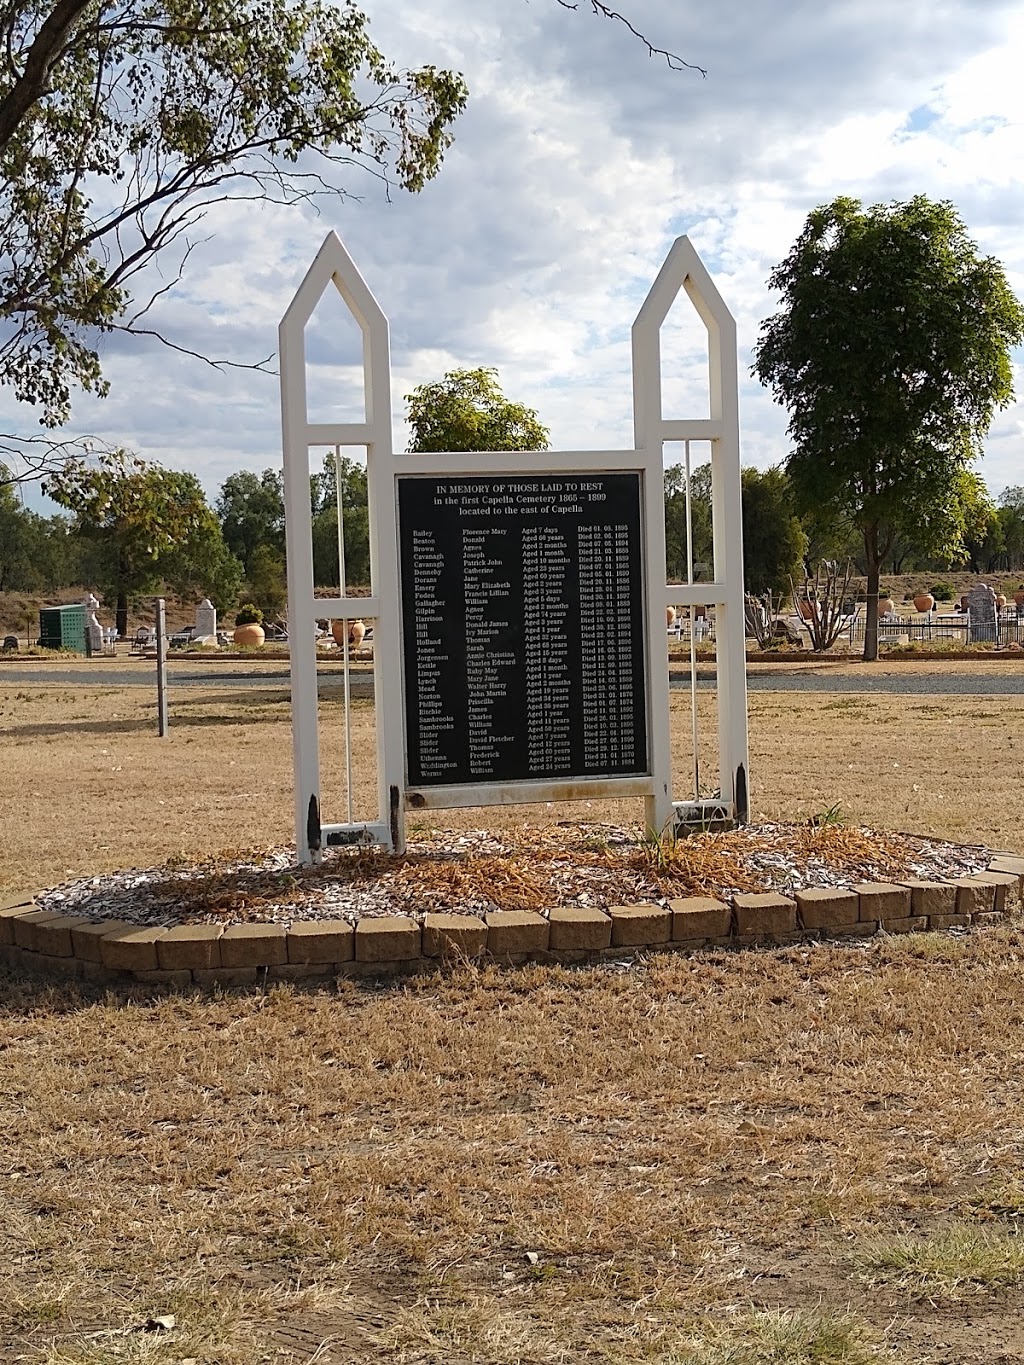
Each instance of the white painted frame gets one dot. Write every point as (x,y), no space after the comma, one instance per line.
(682,269)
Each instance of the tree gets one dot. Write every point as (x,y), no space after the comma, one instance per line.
(138,517)
(356,521)
(122,121)
(1011,520)
(466,410)
(675,520)
(773,539)
(251,511)
(891,352)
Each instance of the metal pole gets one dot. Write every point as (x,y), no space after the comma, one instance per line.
(693,622)
(161,668)
(341,592)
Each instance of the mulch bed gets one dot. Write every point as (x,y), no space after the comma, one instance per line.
(532,868)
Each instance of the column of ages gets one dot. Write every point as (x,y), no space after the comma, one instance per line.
(487,592)
(434,725)
(607,646)
(546,620)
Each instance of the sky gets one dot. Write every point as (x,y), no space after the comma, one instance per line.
(576,164)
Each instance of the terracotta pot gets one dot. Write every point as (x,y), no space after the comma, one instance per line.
(924,601)
(885,606)
(963,602)
(806,610)
(1000,601)
(249,636)
(670,615)
(356,630)
(1018,597)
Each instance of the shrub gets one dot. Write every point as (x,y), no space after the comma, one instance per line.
(248,615)
(943,592)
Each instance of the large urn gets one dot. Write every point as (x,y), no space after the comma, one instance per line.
(924,601)
(249,636)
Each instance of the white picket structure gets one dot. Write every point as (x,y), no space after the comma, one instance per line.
(682,270)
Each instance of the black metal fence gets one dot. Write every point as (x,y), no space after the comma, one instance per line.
(931,628)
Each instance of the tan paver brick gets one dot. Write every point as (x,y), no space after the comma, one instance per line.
(699,917)
(189,945)
(515,932)
(640,926)
(764,913)
(390,938)
(132,949)
(321,942)
(974,897)
(86,937)
(908,924)
(253,945)
(8,916)
(931,898)
(453,936)
(575,928)
(883,900)
(826,907)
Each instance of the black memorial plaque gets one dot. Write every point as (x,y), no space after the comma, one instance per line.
(523,627)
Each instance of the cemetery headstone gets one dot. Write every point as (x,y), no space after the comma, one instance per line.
(981,603)
(206,623)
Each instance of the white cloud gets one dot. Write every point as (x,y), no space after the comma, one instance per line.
(578,161)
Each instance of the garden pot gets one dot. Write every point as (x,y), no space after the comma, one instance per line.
(670,615)
(356,631)
(338,629)
(1000,601)
(1018,597)
(806,610)
(924,601)
(249,636)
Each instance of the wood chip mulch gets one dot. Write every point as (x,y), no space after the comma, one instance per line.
(529,869)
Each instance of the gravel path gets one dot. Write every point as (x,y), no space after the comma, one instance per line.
(942,682)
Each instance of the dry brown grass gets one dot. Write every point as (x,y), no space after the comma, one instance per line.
(723,1160)
(87,787)
(531,1166)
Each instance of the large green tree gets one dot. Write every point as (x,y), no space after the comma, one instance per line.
(466,410)
(774,542)
(891,353)
(122,121)
(355,514)
(251,511)
(144,522)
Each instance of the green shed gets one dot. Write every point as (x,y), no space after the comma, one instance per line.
(63,627)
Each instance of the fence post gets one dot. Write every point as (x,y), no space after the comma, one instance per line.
(161,668)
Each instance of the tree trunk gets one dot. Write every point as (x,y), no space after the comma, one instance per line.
(121,619)
(874,568)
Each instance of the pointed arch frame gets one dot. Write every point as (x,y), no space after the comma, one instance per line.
(682,270)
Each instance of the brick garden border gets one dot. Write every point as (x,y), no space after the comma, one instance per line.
(111,952)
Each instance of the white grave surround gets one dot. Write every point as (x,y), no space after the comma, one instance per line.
(682,270)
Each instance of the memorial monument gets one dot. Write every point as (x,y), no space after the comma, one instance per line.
(519,598)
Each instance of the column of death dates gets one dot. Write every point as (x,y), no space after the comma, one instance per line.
(523,627)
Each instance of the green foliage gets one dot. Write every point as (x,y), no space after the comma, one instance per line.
(774,542)
(121,122)
(466,410)
(356,518)
(1011,520)
(942,591)
(138,517)
(265,581)
(891,352)
(248,615)
(675,520)
(251,511)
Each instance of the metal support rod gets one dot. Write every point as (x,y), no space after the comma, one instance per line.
(693,620)
(345,656)
(161,668)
